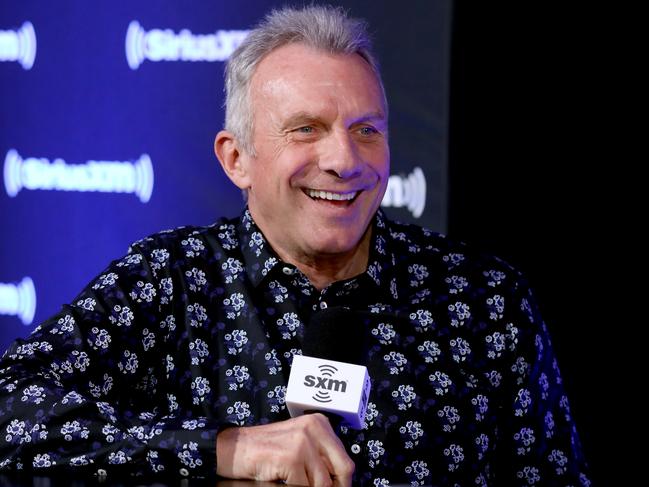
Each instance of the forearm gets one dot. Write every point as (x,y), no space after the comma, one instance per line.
(46,425)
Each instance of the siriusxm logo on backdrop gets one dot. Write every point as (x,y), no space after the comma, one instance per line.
(103,176)
(407,192)
(19,300)
(166,45)
(19,45)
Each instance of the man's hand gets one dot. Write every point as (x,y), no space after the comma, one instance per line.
(300,451)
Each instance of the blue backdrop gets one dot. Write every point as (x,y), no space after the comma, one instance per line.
(108,112)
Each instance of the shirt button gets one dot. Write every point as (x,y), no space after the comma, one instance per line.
(323,305)
(184,472)
(288,271)
(355,448)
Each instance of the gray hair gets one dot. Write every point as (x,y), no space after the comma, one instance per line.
(324,28)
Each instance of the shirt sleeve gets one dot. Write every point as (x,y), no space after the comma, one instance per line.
(87,390)
(538,442)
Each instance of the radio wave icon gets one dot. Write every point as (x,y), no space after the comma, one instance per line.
(27,45)
(407,191)
(26,301)
(327,371)
(322,396)
(144,178)
(135,44)
(13,180)
(19,300)
(417,184)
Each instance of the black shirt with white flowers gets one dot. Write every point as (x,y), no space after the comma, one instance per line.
(195,329)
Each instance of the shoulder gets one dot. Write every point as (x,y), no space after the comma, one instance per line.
(412,240)
(415,243)
(190,239)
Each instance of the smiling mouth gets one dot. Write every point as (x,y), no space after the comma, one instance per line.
(315,194)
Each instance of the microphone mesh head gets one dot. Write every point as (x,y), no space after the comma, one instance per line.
(336,334)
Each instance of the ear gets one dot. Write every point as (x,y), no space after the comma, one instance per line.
(232,159)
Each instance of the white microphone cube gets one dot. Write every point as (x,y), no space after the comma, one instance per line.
(319,385)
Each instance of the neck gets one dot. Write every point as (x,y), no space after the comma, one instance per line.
(322,270)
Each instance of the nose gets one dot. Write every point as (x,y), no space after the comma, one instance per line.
(341,157)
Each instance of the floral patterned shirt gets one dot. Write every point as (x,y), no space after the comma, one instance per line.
(195,329)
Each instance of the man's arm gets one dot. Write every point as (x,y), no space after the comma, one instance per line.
(538,441)
(85,390)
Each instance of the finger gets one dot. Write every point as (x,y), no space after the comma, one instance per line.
(333,453)
(297,476)
(337,479)
(343,475)
(339,464)
(320,475)
(328,464)
(341,483)
(319,469)
(335,457)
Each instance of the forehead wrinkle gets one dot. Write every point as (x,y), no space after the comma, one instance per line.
(276,84)
(275,95)
(272,85)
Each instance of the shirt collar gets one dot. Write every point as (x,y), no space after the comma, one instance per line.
(259,258)
(382,260)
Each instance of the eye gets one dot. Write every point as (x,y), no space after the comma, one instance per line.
(307,129)
(367,131)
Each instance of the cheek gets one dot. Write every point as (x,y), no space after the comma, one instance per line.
(381,165)
(300,164)
(377,154)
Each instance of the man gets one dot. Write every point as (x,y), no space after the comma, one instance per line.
(176,358)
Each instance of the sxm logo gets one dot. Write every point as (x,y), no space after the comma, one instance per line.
(19,45)
(166,45)
(19,300)
(104,176)
(407,191)
(325,383)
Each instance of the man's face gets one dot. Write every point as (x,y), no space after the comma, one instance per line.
(322,157)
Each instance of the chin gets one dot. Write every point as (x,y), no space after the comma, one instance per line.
(339,245)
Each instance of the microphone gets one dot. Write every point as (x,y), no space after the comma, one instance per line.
(327,378)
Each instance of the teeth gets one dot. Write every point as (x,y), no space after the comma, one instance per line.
(326,195)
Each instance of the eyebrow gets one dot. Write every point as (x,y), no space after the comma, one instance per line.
(300,118)
(373,116)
